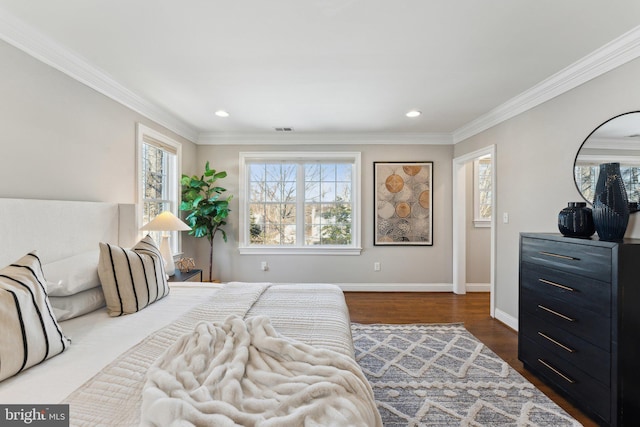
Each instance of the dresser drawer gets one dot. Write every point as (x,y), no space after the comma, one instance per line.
(585,356)
(577,321)
(568,378)
(584,260)
(590,294)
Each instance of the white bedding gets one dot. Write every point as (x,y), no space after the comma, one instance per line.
(102,373)
(97,339)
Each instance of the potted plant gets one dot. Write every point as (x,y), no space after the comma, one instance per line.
(206,210)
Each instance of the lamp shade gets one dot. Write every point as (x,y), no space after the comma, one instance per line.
(166,221)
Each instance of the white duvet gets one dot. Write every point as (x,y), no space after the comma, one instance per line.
(241,372)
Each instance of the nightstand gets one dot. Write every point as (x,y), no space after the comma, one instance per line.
(190,276)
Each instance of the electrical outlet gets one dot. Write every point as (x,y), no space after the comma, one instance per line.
(376,266)
(264,266)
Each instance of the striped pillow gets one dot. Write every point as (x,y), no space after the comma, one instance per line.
(132,279)
(29,333)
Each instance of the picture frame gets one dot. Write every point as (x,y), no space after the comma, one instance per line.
(403,197)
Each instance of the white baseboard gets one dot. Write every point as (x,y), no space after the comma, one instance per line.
(507,319)
(410,287)
(478,287)
(396,287)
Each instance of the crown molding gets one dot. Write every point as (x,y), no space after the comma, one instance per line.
(610,56)
(43,48)
(622,143)
(315,138)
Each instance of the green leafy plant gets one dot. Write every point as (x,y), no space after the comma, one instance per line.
(206,209)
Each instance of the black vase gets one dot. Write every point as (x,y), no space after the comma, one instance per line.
(576,220)
(610,203)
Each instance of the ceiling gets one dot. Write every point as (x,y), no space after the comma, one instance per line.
(319,66)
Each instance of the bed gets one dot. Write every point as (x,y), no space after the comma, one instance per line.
(130,369)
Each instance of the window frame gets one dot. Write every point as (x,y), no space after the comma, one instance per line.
(147,135)
(244,245)
(479,221)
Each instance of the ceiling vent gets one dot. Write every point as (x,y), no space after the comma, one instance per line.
(284,129)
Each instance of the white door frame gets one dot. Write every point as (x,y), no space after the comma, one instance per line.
(459,221)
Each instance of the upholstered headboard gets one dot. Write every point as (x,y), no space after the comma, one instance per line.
(60,229)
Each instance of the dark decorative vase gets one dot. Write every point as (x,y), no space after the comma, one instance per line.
(576,220)
(610,203)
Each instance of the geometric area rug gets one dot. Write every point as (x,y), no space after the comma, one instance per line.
(441,375)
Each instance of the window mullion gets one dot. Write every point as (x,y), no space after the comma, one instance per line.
(300,205)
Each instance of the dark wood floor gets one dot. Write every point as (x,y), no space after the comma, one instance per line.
(471,309)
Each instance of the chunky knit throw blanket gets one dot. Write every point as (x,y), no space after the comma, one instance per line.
(241,372)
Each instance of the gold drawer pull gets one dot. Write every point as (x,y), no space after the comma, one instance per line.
(557,285)
(563,376)
(569,349)
(559,256)
(556,313)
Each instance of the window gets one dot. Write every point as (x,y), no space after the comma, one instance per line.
(158,179)
(482,191)
(586,176)
(300,203)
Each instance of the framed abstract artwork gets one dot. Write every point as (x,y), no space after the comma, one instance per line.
(403,195)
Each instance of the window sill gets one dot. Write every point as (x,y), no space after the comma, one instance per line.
(482,223)
(279,250)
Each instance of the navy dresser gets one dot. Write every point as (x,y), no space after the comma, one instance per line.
(579,322)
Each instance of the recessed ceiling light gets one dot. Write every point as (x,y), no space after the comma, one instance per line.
(222,113)
(413,113)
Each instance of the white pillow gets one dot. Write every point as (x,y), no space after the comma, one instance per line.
(71,275)
(29,333)
(71,306)
(132,279)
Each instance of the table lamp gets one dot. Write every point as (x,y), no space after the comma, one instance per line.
(166,221)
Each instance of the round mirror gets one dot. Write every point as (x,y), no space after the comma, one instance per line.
(615,141)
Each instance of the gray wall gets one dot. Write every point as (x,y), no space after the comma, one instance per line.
(535,154)
(62,140)
(422,265)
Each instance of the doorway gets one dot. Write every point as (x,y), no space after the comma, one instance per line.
(460,220)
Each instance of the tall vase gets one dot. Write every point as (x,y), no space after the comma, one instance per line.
(610,203)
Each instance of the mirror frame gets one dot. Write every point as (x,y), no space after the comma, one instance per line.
(632,208)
